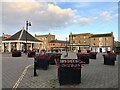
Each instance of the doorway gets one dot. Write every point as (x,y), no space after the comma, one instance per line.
(101,50)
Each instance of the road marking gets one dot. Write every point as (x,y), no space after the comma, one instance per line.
(21,77)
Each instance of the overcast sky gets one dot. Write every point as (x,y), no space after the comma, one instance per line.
(60,18)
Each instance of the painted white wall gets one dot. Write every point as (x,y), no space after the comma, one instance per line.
(103,49)
(2,47)
(98,49)
(93,49)
(109,48)
(9,47)
(18,46)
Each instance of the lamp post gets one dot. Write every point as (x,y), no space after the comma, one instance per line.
(27,24)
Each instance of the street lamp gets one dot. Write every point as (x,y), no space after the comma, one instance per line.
(27,24)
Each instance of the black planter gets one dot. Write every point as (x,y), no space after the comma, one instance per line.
(83,57)
(54,57)
(117,53)
(31,54)
(109,60)
(88,51)
(42,63)
(79,51)
(93,55)
(69,75)
(16,54)
(51,59)
(108,52)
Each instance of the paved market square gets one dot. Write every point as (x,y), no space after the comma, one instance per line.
(93,75)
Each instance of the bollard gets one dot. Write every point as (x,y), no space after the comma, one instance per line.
(35,73)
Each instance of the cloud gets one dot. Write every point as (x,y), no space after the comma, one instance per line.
(116,15)
(81,21)
(86,21)
(44,16)
(105,16)
(18,1)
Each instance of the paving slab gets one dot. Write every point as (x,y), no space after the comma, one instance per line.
(94,75)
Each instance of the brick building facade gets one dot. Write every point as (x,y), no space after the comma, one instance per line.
(79,41)
(93,42)
(102,42)
(46,39)
(58,44)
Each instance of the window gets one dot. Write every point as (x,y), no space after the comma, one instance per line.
(100,39)
(107,38)
(106,44)
(100,43)
(73,37)
(94,38)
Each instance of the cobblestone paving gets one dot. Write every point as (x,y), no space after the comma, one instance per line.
(94,75)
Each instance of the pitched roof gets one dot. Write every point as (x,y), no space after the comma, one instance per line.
(80,34)
(7,35)
(44,35)
(58,41)
(21,35)
(102,35)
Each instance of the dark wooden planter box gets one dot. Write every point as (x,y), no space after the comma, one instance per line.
(79,51)
(109,60)
(69,73)
(108,52)
(53,57)
(117,53)
(93,55)
(88,51)
(42,63)
(31,54)
(16,54)
(83,57)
